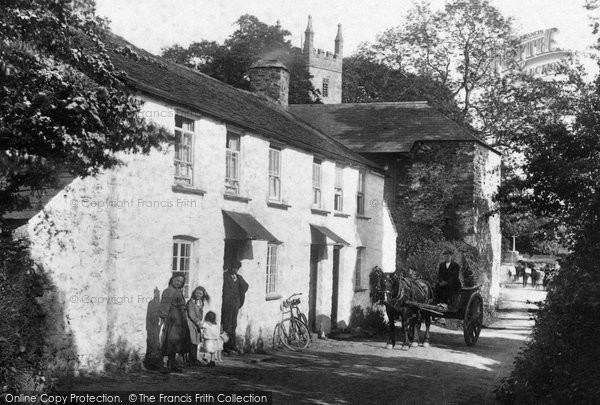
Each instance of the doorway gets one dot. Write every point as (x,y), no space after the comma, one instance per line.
(315,253)
(232,252)
(335,286)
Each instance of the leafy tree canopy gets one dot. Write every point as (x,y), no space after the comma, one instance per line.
(63,105)
(251,41)
(455,46)
(367,81)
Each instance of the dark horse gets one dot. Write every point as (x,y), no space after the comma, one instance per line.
(394,291)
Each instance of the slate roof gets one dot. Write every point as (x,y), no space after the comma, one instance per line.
(383,127)
(185,87)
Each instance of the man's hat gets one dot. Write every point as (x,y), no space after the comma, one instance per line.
(448,252)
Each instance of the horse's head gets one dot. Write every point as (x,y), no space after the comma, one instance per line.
(382,286)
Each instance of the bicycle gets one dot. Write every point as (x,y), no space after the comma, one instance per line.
(293,331)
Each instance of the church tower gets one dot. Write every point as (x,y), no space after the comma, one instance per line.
(325,67)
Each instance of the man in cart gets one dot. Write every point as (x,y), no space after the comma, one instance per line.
(448,284)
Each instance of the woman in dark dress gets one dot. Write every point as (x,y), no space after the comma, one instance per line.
(176,336)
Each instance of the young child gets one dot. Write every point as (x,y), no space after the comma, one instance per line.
(223,338)
(210,336)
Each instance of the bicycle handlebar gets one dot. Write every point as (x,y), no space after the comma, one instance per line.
(292,296)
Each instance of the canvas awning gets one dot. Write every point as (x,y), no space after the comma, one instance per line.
(321,235)
(240,226)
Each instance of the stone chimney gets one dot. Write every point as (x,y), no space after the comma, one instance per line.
(271,79)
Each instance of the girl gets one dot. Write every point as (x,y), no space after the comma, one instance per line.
(195,312)
(210,336)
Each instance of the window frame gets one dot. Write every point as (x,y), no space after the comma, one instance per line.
(338,189)
(177,161)
(275,176)
(318,185)
(325,87)
(358,267)
(176,261)
(360,193)
(232,184)
(272,270)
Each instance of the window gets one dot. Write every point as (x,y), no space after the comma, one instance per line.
(338,189)
(271,286)
(184,137)
(274,174)
(325,87)
(360,253)
(182,250)
(360,194)
(232,172)
(316,181)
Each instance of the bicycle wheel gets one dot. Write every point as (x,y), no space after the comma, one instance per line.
(294,334)
(303,319)
(277,341)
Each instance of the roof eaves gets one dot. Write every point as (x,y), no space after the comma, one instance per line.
(259,131)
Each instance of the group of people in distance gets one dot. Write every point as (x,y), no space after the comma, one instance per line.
(530,272)
(188,329)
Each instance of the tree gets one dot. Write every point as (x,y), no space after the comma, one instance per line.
(367,81)
(251,41)
(456,46)
(63,105)
(560,180)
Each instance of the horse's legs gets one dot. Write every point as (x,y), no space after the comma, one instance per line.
(416,325)
(427,324)
(392,336)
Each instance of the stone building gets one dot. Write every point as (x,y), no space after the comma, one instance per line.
(244,180)
(401,136)
(324,66)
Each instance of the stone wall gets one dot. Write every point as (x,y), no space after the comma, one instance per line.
(271,79)
(469,175)
(326,66)
(106,242)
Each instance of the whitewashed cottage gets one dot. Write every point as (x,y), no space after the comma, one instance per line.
(246,179)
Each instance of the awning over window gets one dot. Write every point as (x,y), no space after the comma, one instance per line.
(321,235)
(242,226)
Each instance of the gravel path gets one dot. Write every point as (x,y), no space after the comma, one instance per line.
(361,371)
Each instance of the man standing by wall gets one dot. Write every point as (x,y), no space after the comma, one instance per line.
(448,279)
(234,294)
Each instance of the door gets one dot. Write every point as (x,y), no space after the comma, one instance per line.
(312,289)
(232,251)
(335,287)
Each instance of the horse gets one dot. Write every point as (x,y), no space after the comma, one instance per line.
(393,291)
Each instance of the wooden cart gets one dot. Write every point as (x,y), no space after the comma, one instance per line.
(468,307)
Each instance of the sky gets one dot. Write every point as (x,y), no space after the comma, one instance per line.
(154,24)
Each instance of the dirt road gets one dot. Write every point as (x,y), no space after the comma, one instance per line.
(361,371)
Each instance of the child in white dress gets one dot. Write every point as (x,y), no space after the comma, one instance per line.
(210,337)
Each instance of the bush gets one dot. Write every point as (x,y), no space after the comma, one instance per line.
(22,330)
(560,364)
(369,319)
(122,358)
(425,263)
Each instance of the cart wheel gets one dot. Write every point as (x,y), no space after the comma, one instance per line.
(473,320)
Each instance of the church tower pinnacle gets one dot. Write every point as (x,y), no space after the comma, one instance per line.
(325,67)
(339,42)
(309,37)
